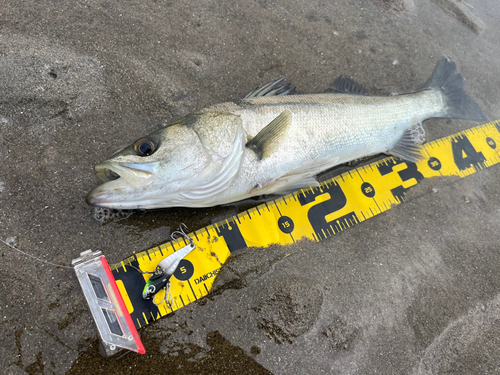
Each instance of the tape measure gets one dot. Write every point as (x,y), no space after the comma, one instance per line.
(315,213)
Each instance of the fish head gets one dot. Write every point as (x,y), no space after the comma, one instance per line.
(165,168)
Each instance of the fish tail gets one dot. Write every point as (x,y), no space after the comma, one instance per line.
(458,104)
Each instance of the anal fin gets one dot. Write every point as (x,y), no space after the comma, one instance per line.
(409,146)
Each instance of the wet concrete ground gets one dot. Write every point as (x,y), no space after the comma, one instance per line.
(413,291)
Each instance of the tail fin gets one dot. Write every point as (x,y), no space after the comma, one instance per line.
(457,103)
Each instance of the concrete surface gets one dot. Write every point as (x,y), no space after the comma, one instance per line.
(415,290)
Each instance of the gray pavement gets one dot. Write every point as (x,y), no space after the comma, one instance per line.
(415,290)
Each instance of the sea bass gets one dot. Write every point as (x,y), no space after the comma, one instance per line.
(274,142)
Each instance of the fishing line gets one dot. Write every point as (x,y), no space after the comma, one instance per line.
(34,257)
(100,215)
(180,231)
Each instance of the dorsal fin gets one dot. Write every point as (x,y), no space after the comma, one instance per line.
(270,138)
(273,88)
(346,85)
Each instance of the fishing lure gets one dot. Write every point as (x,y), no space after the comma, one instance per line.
(160,278)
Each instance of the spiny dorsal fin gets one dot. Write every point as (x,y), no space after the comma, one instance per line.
(270,138)
(346,85)
(273,88)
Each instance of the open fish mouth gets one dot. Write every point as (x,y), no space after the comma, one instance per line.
(134,174)
(121,182)
(106,174)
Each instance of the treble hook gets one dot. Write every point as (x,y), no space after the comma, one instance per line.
(181,233)
(166,299)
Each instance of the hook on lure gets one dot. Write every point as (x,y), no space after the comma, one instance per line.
(160,278)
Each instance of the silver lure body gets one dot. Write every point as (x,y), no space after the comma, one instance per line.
(273,144)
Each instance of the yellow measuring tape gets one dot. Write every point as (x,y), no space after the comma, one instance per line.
(315,213)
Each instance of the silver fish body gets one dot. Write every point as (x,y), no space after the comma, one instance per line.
(273,144)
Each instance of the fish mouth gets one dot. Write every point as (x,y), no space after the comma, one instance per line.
(121,182)
(106,174)
(134,174)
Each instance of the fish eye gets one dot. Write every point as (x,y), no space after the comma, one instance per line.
(145,146)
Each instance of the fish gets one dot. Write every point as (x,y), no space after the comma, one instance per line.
(275,141)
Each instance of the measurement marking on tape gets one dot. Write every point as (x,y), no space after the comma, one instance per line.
(316,213)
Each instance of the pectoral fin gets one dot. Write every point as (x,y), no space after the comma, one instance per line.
(270,138)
